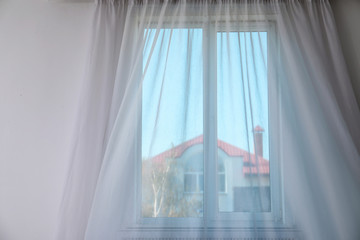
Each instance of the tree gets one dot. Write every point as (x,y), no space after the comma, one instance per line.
(163,190)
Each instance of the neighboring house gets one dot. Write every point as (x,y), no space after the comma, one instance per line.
(243,177)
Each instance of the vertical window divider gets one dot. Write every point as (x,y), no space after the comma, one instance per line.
(210,124)
(138,144)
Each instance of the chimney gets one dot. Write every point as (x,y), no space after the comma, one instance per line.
(258,140)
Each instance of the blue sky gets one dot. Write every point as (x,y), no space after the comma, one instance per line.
(172,103)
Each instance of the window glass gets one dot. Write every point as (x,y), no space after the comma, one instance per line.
(221,182)
(243,128)
(201,182)
(190,183)
(172,123)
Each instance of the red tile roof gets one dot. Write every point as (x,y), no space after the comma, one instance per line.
(249,168)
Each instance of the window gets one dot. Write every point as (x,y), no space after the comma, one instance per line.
(172,110)
(193,177)
(206,126)
(221,176)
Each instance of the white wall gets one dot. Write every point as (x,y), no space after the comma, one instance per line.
(43,49)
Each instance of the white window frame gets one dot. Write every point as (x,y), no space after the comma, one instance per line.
(215,218)
(211,216)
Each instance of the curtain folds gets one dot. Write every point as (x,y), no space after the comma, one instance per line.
(214,119)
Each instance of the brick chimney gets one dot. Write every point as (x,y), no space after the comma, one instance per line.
(258,140)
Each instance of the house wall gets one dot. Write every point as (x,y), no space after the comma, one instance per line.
(43,48)
(233,174)
(236,178)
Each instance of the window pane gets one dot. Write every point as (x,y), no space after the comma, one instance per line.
(190,183)
(201,182)
(221,182)
(243,128)
(172,123)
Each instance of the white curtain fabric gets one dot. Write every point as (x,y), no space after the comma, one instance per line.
(214,119)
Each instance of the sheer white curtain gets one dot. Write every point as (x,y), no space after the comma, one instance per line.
(214,119)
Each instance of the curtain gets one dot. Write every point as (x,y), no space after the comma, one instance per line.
(214,119)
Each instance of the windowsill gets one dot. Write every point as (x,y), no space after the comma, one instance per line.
(223,220)
(278,233)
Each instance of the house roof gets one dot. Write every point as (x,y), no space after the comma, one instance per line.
(249,159)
